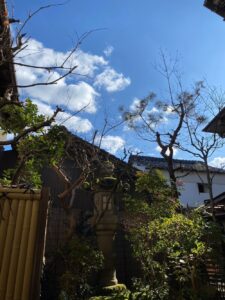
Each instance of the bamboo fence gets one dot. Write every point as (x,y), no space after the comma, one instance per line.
(23,219)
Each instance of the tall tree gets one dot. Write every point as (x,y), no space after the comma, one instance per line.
(162,121)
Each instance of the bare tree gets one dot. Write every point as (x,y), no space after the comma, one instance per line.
(162,121)
(200,144)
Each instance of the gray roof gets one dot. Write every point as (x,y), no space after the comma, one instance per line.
(179,164)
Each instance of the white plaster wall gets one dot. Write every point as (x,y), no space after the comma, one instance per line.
(189,194)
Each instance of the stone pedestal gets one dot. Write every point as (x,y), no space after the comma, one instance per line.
(105,231)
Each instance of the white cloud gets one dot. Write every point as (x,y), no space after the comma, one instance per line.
(218,162)
(111,80)
(169,110)
(43,108)
(36,54)
(88,63)
(108,51)
(72,97)
(111,143)
(73,92)
(126,128)
(160,116)
(73,123)
(134,104)
(175,150)
(69,95)
(153,110)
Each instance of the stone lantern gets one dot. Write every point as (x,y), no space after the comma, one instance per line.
(106,224)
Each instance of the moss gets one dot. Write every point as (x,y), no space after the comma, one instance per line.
(113,292)
(101,298)
(107,182)
(112,289)
(86,186)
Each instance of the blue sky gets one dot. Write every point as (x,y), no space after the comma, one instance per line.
(134,32)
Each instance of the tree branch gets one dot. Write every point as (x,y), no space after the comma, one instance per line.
(34,128)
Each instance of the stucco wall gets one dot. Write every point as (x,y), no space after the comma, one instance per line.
(189,193)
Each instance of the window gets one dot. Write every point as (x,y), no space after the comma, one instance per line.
(203,187)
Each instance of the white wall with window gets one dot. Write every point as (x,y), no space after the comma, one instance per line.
(194,189)
(193,186)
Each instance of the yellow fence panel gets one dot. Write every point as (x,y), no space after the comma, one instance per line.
(23,219)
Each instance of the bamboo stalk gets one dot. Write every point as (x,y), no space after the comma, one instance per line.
(15,251)
(40,244)
(8,248)
(3,229)
(23,251)
(30,252)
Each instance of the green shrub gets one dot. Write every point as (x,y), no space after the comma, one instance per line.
(171,247)
(80,260)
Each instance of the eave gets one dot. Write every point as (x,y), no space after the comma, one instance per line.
(217,6)
(217,124)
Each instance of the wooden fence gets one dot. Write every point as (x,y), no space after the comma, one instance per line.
(216,277)
(23,215)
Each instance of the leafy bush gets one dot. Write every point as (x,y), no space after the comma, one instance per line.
(171,247)
(80,259)
(42,146)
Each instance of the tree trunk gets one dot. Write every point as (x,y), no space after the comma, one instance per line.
(173,178)
(209,181)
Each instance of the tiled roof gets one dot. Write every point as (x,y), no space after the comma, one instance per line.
(179,164)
